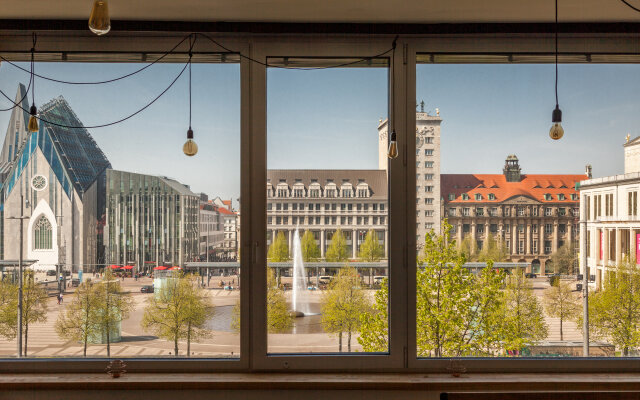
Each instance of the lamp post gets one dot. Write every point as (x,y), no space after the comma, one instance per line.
(20,279)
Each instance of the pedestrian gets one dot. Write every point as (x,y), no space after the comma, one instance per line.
(59,298)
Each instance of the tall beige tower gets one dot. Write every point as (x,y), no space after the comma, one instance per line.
(428,198)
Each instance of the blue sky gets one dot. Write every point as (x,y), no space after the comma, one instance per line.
(328,118)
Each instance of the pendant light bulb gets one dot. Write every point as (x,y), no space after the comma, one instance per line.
(190,148)
(33,121)
(99,21)
(556,132)
(393,146)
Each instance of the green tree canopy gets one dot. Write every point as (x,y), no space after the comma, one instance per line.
(179,310)
(279,318)
(493,250)
(34,305)
(614,312)
(342,305)
(337,250)
(561,302)
(79,321)
(8,309)
(279,249)
(371,250)
(522,314)
(455,309)
(466,248)
(374,324)
(564,259)
(114,306)
(310,250)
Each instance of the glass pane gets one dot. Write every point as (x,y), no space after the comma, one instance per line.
(501,276)
(327,209)
(129,246)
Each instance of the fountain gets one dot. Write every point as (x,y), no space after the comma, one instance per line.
(299,285)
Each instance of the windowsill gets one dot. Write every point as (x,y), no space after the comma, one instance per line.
(324,381)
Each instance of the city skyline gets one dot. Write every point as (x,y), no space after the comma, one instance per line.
(300,116)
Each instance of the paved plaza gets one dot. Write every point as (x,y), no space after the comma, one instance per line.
(43,341)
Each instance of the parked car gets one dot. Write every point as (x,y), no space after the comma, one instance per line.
(530,275)
(75,282)
(324,280)
(146,289)
(377,280)
(51,272)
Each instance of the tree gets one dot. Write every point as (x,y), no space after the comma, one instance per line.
(522,315)
(493,250)
(564,259)
(310,250)
(113,306)
(8,309)
(337,251)
(560,302)
(370,249)
(455,309)
(279,249)
(34,305)
(179,310)
(614,312)
(342,305)
(79,321)
(374,324)
(279,319)
(467,249)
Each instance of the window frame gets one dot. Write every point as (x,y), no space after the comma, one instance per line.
(402,351)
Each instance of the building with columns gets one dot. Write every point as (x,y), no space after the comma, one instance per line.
(428,204)
(531,215)
(322,201)
(609,216)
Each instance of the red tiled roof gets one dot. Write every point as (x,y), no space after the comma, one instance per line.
(226,202)
(532,186)
(223,210)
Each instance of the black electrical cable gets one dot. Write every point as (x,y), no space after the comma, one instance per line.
(105,81)
(192,39)
(33,69)
(630,6)
(212,40)
(557,53)
(110,123)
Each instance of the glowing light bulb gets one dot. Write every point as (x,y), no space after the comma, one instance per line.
(556,132)
(33,121)
(393,146)
(99,21)
(190,148)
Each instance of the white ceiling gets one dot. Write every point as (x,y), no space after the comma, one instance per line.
(378,11)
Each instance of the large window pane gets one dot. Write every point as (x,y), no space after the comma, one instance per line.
(509,267)
(131,246)
(327,208)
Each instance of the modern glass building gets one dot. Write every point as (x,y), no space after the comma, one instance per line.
(150,220)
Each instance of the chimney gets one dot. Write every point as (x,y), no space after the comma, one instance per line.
(587,171)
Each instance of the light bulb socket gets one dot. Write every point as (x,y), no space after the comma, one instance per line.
(33,110)
(556,116)
(190,134)
(393,136)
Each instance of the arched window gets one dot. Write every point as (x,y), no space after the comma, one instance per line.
(42,235)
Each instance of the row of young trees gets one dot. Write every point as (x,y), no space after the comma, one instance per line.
(564,260)
(338,251)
